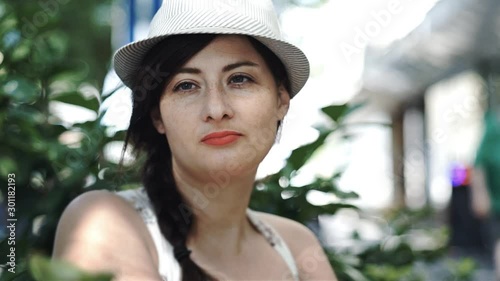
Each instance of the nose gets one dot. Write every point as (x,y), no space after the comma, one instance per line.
(217,104)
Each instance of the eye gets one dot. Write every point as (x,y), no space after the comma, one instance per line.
(240,79)
(184,86)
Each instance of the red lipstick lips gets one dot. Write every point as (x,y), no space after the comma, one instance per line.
(221,138)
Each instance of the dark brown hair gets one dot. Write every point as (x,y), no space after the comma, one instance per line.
(157,177)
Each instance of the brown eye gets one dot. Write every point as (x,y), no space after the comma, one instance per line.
(184,86)
(240,79)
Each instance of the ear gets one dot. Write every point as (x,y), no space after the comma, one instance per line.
(157,121)
(283,101)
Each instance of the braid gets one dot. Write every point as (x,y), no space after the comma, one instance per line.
(166,200)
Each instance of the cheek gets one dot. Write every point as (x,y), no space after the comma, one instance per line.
(176,122)
(264,126)
(176,129)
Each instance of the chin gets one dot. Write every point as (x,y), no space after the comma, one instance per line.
(231,166)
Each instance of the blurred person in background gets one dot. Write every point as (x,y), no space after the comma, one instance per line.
(486,183)
(210,85)
(464,225)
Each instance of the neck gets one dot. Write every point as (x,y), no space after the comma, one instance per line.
(218,206)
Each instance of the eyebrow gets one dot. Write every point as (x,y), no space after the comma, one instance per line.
(232,66)
(229,67)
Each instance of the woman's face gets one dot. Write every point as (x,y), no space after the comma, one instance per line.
(220,111)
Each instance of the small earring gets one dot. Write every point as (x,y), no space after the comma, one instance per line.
(278,132)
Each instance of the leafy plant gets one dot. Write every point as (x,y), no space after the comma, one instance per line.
(391,258)
(53,161)
(269,192)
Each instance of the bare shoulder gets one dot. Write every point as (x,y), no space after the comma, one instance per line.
(288,228)
(99,231)
(311,260)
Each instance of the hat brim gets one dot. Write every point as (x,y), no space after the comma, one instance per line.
(128,58)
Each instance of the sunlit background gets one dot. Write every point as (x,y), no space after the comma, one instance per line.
(335,36)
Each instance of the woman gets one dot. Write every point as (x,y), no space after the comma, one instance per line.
(211,85)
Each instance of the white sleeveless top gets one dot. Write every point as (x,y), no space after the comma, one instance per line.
(169,268)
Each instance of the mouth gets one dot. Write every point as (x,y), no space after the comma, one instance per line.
(221,138)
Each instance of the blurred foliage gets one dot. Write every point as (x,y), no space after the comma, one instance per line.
(461,270)
(276,193)
(50,52)
(391,258)
(45,269)
(395,255)
(54,54)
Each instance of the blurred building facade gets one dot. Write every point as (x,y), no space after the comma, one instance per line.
(435,84)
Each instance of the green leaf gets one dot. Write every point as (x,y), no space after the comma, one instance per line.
(76,98)
(44,269)
(7,166)
(339,112)
(300,155)
(20,89)
(335,112)
(118,136)
(21,51)
(353,107)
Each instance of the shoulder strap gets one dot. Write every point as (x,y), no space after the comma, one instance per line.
(168,267)
(139,200)
(273,237)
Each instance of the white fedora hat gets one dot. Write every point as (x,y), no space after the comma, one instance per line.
(256,18)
